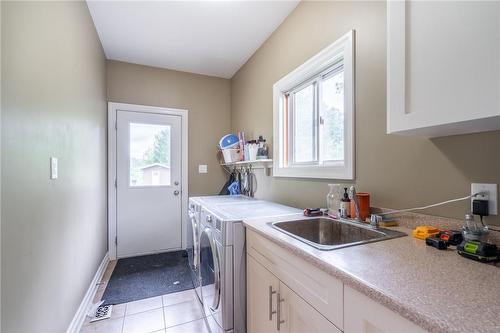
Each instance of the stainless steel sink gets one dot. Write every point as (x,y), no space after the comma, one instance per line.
(329,234)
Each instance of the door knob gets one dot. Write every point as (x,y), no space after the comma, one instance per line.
(176,192)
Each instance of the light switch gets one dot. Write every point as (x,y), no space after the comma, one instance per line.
(202,168)
(53,168)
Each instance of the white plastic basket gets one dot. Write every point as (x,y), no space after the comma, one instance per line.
(231,155)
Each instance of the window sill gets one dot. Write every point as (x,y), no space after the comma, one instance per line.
(343,173)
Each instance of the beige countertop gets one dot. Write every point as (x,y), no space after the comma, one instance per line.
(438,290)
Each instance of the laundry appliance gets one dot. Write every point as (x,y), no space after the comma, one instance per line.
(222,259)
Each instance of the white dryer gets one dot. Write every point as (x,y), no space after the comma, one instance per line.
(194,229)
(223,261)
(220,265)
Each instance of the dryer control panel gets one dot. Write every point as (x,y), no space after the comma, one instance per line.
(222,230)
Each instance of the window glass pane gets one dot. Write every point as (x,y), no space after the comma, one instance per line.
(332,118)
(149,154)
(304,125)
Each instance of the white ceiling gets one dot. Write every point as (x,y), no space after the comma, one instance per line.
(205,37)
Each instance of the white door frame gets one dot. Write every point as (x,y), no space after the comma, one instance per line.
(112,193)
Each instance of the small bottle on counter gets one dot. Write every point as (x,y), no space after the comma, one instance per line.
(330,201)
(345,203)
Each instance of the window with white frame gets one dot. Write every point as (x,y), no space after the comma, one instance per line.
(314,116)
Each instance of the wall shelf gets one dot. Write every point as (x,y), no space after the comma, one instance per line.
(266,164)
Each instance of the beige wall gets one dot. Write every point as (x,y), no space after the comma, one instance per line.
(207,99)
(54,104)
(398,171)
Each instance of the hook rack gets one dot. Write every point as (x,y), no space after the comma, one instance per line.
(266,164)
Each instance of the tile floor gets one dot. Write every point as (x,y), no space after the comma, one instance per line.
(176,312)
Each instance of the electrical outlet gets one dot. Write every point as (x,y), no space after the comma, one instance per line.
(490,194)
(202,168)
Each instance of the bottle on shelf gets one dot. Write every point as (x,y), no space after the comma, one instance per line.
(262,152)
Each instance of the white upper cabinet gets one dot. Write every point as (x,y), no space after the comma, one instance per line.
(443,67)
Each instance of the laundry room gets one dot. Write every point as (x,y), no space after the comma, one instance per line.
(249,166)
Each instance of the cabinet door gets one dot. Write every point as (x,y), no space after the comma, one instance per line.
(262,290)
(319,289)
(443,75)
(298,316)
(363,315)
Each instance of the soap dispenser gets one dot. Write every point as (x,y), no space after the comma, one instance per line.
(345,203)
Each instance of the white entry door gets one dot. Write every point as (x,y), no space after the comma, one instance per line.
(148,169)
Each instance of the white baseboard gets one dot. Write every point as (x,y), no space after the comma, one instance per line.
(77,322)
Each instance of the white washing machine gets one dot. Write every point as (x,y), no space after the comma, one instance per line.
(222,265)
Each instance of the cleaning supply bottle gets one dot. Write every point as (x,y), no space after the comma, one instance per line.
(262,153)
(345,202)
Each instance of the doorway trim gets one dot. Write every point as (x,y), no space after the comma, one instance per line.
(113,108)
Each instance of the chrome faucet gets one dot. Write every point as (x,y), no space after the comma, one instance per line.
(374,219)
(354,197)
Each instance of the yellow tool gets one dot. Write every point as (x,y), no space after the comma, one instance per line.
(424,231)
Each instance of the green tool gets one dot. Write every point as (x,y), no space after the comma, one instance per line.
(480,251)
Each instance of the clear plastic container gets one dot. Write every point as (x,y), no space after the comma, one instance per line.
(474,231)
(333,200)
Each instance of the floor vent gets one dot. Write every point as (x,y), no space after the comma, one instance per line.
(102,312)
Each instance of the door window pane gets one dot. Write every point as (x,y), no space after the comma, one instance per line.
(304,138)
(332,118)
(149,154)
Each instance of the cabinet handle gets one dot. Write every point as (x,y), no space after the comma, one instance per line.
(271,293)
(278,312)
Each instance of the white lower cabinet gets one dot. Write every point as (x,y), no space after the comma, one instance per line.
(298,316)
(273,307)
(313,300)
(262,288)
(363,315)
(285,293)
